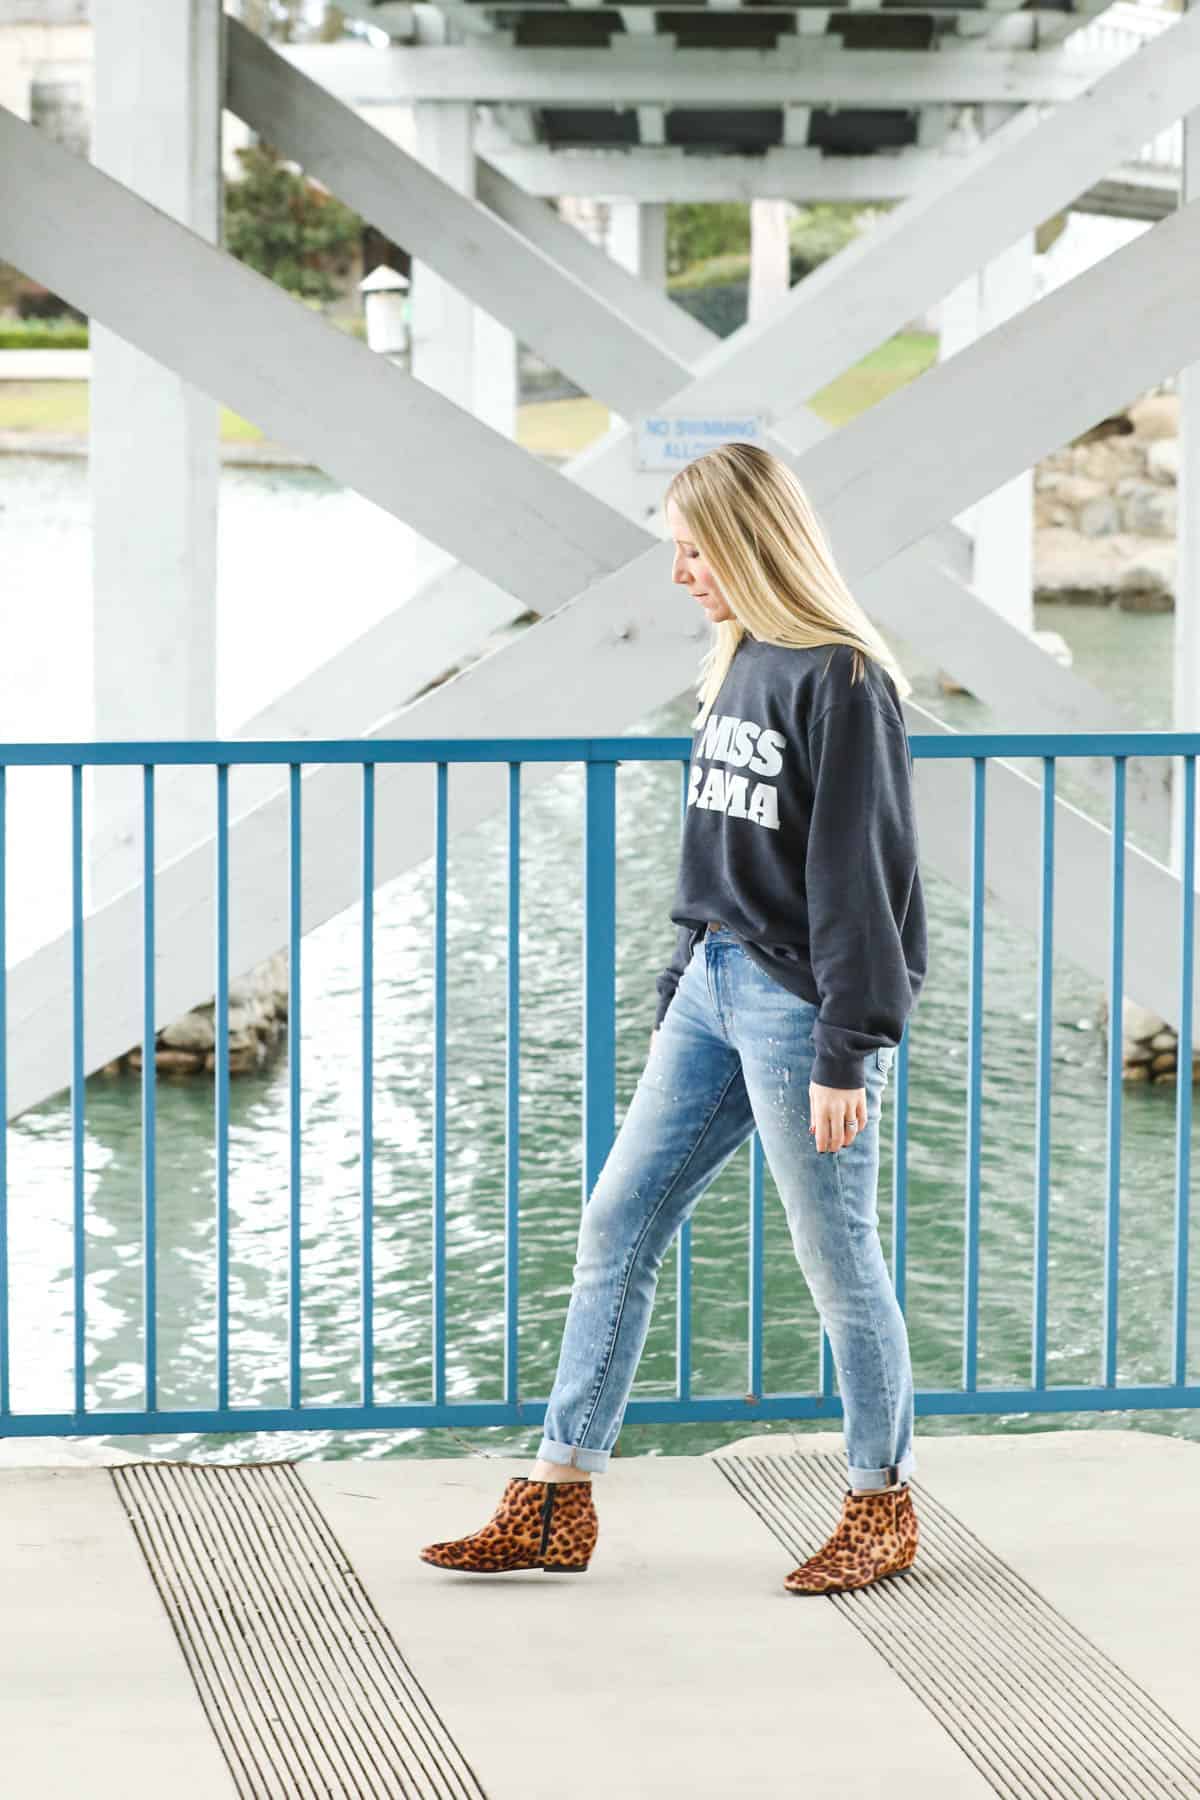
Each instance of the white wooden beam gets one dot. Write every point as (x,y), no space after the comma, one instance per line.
(652,124)
(569,674)
(671,175)
(954,434)
(637,238)
(1032,671)
(154,463)
(1044,26)
(1028,168)
(643,71)
(558,653)
(355,414)
(645,307)
(468,244)
(456,346)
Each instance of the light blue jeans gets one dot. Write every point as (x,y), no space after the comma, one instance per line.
(734,1053)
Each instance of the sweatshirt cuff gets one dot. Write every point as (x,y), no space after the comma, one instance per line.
(839,1071)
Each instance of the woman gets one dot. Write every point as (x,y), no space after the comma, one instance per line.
(800,953)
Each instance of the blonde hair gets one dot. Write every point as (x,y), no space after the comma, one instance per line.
(751,520)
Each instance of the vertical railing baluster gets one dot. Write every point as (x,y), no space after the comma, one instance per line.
(441,809)
(77,1095)
(900,1173)
(5,1400)
(294,927)
(825,1368)
(1112,1226)
(599,996)
(221,1073)
(599,970)
(974,1079)
(149,1085)
(1183,1073)
(754,1374)
(367,1262)
(1045,1064)
(683,1252)
(512,1092)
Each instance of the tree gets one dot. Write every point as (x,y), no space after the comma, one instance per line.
(288,227)
(697,231)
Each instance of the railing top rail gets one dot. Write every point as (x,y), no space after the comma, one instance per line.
(216,751)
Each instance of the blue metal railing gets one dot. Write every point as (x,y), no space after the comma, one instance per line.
(600,758)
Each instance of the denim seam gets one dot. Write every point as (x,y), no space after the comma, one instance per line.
(606,1359)
(712,973)
(883,1361)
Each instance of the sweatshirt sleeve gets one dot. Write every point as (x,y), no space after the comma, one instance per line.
(668,981)
(860,872)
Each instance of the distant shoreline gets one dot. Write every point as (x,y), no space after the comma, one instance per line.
(70,443)
(260,456)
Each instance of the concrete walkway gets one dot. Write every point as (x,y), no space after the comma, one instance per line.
(45,365)
(204,1630)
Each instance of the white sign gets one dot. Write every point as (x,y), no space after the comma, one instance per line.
(667,442)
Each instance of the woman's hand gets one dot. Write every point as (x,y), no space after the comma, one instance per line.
(838,1115)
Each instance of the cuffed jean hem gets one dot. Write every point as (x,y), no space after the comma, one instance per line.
(884,1478)
(576,1456)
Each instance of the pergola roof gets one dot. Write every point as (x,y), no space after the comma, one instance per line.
(794,33)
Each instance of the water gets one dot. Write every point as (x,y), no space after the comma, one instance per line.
(289,540)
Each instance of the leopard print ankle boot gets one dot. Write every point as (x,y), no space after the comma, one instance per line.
(876,1536)
(549,1525)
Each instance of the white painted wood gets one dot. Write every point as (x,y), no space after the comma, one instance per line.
(449,336)
(359,417)
(637,239)
(153,444)
(450,612)
(770,257)
(675,174)
(1185,661)
(449,617)
(797,121)
(954,434)
(467,248)
(528,679)
(998,669)
(1040,24)
(651,72)
(650,311)
(1003,521)
(1024,171)
(496,374)
(551,660)
(643,600)
(781,351)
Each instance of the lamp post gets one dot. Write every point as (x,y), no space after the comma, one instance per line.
(386,311)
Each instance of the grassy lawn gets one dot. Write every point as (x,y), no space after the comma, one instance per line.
(62,406)
(43,406)
(892,365)
(561,427)
(555,427)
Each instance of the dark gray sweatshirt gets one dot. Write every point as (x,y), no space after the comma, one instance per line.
(800,836)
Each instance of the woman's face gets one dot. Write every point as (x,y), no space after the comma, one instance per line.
(692,572)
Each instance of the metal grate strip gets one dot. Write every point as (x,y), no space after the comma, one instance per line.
(1032,1702)
(302,1683)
